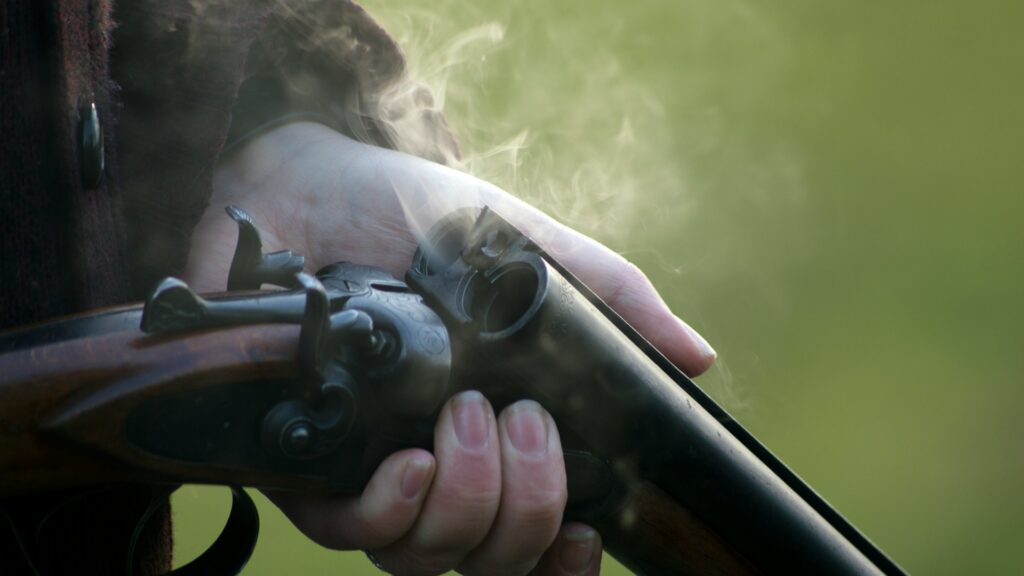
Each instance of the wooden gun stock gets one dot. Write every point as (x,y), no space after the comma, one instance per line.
(64,406)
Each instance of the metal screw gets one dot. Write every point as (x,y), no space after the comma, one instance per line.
(298,437)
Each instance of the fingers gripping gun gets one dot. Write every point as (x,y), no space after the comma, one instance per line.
(311,387)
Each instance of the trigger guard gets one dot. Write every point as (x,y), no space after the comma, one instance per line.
(229,553)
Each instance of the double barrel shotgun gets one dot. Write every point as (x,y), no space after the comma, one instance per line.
(311,387)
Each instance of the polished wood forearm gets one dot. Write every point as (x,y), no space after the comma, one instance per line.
(653,534)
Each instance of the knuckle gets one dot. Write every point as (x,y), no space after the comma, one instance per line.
(629,281)
(637,277)
(540,507)
(471,498)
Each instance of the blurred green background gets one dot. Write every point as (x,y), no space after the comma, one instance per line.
(829,191)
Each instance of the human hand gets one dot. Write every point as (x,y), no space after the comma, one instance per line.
(490,499)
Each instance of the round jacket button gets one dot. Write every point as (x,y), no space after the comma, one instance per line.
(90,149)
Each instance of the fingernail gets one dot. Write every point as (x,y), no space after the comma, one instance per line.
(706,350)
(578,547)
(527,429)
(471,415)
(414,479)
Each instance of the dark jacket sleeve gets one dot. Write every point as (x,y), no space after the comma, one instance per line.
(61,243)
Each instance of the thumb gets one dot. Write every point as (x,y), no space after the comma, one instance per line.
(383,513)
